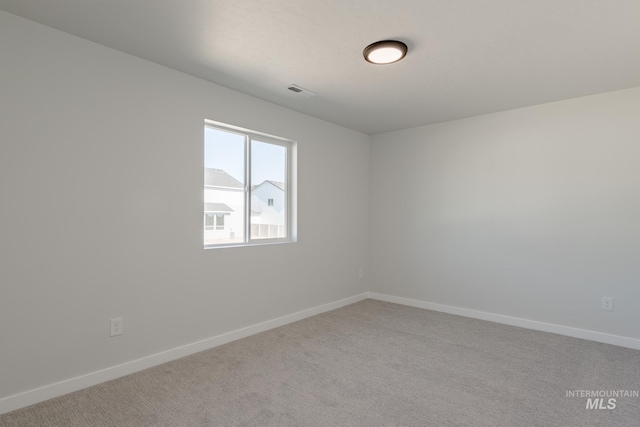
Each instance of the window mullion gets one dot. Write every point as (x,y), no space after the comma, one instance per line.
(247,190)
(287,199)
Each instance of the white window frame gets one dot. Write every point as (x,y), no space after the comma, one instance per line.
(290,185)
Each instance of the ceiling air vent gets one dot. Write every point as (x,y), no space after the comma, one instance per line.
(300,91)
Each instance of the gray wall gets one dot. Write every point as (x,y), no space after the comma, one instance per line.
(532,213)
(101,159)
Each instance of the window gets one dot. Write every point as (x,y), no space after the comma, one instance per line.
(209,222)
(214,221)
(248,187)
(219,221)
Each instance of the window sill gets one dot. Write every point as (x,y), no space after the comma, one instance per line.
(244,245)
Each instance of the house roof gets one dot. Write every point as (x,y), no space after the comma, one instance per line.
(278,184)
(220,178)
(217,207)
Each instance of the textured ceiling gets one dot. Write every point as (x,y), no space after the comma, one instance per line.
(466,57)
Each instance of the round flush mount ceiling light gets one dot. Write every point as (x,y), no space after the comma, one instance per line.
(385,52)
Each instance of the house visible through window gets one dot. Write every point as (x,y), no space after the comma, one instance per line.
(248,184)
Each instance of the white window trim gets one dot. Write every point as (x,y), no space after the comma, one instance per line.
(290,185)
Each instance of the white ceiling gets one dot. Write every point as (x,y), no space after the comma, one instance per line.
(466,57)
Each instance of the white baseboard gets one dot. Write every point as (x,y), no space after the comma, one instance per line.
(30,397)
(514,321)
(20,400)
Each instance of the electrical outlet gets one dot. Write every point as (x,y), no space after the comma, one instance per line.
(607,303)
(360,274)
(116,326)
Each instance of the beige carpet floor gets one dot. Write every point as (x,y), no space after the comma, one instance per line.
(368,364)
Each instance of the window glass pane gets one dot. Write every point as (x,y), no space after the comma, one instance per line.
(224,182)
(268,190)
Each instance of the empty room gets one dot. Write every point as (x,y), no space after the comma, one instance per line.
(319,213)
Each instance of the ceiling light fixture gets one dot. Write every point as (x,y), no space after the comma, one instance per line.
(385,52)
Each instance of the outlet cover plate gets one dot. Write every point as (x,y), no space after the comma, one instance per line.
(607,303)
(116,326)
